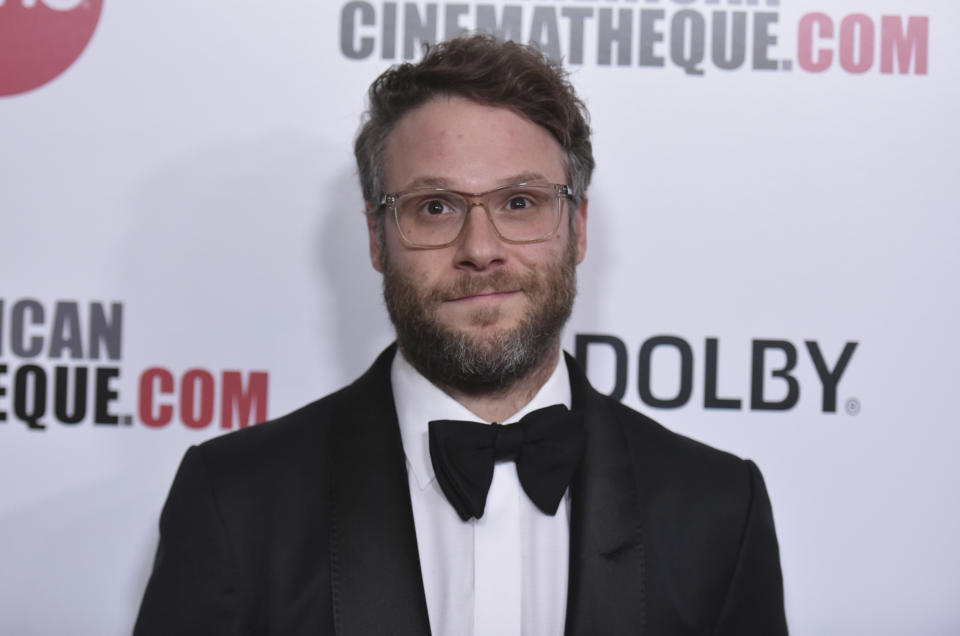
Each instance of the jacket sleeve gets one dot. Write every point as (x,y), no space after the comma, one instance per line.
(754,600)
(193,587)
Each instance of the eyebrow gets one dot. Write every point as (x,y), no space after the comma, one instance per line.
(440,182)
(426,182)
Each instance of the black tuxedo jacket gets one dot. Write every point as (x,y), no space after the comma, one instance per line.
(303,525)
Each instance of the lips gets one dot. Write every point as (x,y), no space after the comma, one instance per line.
(484,294)
(490,287)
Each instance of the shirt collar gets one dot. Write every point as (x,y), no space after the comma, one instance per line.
(418,401)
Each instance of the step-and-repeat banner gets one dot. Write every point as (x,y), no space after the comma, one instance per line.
(772,264)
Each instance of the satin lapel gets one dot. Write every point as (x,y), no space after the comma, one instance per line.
(606,586)
(376,580)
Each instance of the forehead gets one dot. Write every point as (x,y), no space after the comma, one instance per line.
(457,143)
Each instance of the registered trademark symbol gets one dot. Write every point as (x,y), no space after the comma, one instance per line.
(853,406)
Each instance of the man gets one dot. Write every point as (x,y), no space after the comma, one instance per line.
(386,508)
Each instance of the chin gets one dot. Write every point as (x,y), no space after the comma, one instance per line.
(485,324)
(482,319)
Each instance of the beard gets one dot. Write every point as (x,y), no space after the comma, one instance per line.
(481,363)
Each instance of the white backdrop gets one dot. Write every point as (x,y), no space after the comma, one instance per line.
(183,197)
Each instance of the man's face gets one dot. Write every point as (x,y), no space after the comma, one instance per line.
(479,313)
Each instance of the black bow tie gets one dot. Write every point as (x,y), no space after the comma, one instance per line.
(546,446)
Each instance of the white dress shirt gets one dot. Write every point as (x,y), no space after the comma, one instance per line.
(504,574)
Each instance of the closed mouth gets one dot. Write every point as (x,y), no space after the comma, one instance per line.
(491,294)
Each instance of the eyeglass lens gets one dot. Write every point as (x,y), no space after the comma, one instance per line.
(519,213)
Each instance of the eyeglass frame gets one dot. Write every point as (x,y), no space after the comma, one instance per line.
(562,191)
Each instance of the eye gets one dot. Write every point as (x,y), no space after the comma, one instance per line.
(520,202)
(435,207)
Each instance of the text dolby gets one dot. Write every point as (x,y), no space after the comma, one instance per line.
(762,371)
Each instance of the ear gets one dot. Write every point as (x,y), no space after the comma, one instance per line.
(580,224)
(376,247)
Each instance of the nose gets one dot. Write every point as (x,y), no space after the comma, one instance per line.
(479,247)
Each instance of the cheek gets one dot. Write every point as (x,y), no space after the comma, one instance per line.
(420,268)
(394,254)
(549,254)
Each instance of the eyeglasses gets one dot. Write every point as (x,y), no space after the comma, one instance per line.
(520,213)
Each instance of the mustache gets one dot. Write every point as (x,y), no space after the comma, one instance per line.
(473,284)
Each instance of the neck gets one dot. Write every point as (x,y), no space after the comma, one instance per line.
(499,404)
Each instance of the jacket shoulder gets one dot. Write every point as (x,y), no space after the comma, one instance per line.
(647,435)
(306,429)
(703,511)
(689,482)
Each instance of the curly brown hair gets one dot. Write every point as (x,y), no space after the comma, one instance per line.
(488,71)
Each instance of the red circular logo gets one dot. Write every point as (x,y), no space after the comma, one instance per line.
(39,39)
